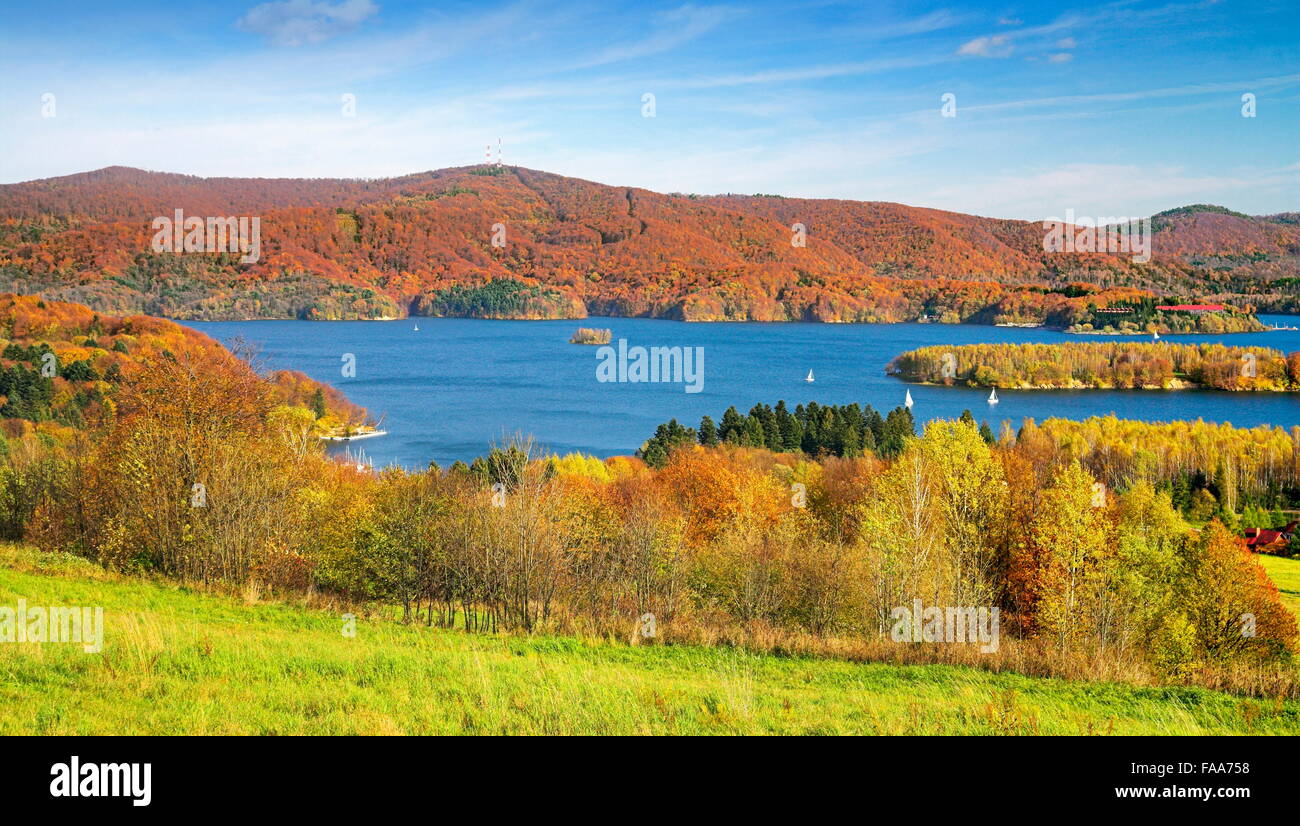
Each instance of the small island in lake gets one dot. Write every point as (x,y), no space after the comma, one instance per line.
(1102,365)
(590,335)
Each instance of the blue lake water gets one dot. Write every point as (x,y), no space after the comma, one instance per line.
(456,386)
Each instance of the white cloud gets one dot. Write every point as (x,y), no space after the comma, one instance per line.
(998,45)
(296,22)
(1066,43)
(1061,57)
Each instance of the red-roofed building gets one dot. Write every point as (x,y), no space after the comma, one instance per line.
(1270,540)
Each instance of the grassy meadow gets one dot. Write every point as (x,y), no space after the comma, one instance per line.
(1285,574)
(180,661)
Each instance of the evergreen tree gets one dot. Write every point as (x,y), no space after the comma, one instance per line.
(877,425)
(867,438)
(899,425)
(788,427)
(771,429)
(850,445)
(655,455)
(733,426)
(708,432)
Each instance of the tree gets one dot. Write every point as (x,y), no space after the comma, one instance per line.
(1072,537)
(791,433)
(898,427)
(295,425)
(708,432)
(732,429)
(1232,604)
(971,498)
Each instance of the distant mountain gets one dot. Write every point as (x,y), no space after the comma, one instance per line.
(422,244)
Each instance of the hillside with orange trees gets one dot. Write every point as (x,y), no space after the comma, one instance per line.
(63,365)
(509,242)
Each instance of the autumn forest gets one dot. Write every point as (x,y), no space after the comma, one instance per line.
(1111,549)
(508,242)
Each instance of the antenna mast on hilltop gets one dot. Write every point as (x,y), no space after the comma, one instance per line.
(499,162)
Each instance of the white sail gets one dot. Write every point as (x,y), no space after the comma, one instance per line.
(993,397)
(810,376)
(908,400)
(1155,336)
(417,328)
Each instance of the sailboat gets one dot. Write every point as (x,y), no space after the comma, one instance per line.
(993,397)
(810,376)
(908,401)
(417,328)
(1155,336)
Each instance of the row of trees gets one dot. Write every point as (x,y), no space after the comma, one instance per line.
(1096,364)
(836,430)
(1239,466)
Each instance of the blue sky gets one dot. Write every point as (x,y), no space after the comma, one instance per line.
(1107,109)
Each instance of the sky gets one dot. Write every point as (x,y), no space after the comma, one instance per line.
(1016,110)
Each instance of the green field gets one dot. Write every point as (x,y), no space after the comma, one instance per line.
(177,661)
(1285,574)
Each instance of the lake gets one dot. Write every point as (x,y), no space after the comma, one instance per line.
(454,387)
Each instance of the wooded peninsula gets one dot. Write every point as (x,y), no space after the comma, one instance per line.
(1102,365)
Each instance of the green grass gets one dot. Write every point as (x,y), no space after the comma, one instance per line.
(177,661)
(1285,574)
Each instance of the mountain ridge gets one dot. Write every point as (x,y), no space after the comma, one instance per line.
(128,172)
(422,244)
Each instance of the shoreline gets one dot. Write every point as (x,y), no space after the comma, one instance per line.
(369,434)
(1027,326)
(1179,387)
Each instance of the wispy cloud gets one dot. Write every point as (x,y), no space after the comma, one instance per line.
(673,29)
(998,45)
(1281,81)
(300,22)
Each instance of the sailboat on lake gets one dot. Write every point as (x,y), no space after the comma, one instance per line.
(907,402)
(993,397)
(810,376)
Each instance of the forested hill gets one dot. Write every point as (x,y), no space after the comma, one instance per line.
(423,244)
(63,367)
